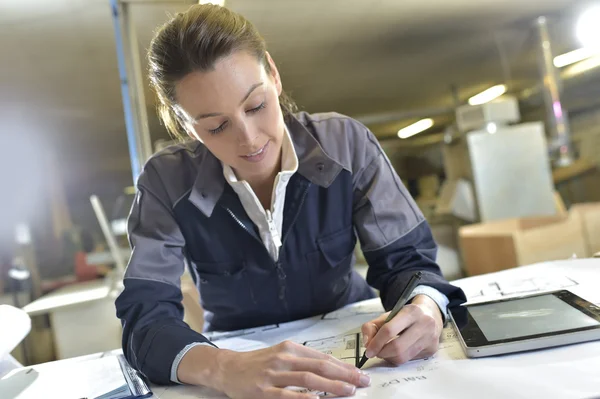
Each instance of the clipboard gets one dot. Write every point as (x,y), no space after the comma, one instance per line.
(136,386)
(107,377)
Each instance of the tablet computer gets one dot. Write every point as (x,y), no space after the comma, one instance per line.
(526,323)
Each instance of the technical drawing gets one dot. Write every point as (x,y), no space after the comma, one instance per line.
(349,311)
(217,335)
(347,348)
(523,286)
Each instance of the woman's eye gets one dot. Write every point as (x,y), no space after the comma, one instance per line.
(224,124)
(219,129)
(255,110)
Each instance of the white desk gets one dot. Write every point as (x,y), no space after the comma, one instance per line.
(566,372)
(82,317)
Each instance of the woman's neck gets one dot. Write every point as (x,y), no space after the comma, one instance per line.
(263,188)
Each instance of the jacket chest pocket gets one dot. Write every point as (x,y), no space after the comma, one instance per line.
(331,264)
(224,286)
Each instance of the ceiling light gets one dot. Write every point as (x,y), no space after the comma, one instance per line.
(491,128)
(415,128)
(488,95)
(215,2)
(588,28)
(574,56)
(581,67)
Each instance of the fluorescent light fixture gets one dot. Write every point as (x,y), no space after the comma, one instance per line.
(574,56)
(581,67)
(588,28)
(215,2)
(415,128)
(488,95)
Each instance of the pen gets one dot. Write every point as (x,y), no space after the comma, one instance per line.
(412,284)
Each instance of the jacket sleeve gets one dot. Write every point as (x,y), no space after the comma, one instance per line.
(150,306)
(395,237)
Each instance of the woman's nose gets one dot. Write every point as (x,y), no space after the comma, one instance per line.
(245,135)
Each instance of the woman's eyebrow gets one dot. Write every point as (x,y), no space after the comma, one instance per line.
(211,114)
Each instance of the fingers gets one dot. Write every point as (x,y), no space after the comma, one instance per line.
(331,371)
(418,340)
(407,316)
(312,381)
(427,352)
(278,393)
(303,351)
(420,350)
(370,328)
(297,365)
(403,345)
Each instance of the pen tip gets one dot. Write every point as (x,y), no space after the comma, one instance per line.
(362,361)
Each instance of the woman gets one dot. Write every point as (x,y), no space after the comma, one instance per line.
(265,207)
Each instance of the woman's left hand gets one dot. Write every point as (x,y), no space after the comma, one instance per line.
(413,334)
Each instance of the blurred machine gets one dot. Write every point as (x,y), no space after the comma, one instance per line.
(498,168)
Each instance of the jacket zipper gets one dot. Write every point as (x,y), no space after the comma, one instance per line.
(281,276)
(280,272)
(238,221)
(273,228)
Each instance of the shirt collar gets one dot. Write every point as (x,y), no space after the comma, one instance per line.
(313,163)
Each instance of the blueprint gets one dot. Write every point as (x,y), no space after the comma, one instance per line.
(557,373)
(530,285)
(347,347)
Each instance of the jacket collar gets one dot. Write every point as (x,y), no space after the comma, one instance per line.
(313,163)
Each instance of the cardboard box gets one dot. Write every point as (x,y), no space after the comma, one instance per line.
(499,245)
(589,214)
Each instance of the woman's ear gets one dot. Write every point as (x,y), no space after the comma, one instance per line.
(274,74)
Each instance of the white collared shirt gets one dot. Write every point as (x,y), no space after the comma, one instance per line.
(268,221)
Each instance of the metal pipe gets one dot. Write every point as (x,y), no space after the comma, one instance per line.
(137,87)
(528,98)
(569,76)
(111,240)
(132,90)
(127,106)
(556,115)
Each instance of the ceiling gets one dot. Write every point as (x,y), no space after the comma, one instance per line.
(60,90)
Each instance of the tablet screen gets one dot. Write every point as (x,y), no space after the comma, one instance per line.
(528,316)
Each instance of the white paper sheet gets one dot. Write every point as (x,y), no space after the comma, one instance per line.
(87,379)
(582,277)
(16,325)
(561,373)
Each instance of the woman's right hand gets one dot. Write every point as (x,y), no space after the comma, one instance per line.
(265,373)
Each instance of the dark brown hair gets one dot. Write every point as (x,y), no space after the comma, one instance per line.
(194,41)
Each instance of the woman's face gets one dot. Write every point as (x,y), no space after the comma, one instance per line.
(234,110)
